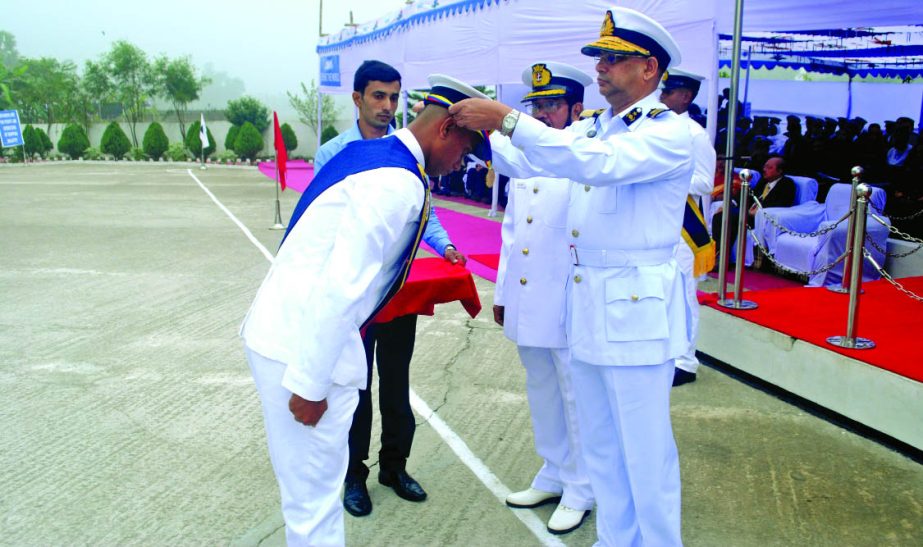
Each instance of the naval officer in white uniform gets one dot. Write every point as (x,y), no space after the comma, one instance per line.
(626,314)
(679,90)
(348,247)
(529,303)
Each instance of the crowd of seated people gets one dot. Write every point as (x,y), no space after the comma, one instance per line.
(827,149)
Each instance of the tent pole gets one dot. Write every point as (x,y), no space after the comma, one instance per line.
(711,122)
(849,96)
(320,119)
(406,117)
(747,81)
(729,154)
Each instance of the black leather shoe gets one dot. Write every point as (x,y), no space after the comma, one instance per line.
(403,484)
(681,377)
(356,498)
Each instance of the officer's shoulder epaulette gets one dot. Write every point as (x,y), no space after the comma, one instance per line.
(586,114)
(654,112)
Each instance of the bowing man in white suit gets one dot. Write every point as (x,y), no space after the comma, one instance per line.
(347,250)
(679,90)
(626,307)
(529,303)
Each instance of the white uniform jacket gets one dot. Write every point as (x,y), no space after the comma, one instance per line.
(534,262)
(625,301)
(333,269)
(704,157)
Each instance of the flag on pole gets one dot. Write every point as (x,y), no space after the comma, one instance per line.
(203,134)
(281,153)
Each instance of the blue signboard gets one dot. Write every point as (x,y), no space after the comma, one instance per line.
(10,131)
(330,70)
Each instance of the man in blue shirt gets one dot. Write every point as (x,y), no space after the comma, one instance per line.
(376,87)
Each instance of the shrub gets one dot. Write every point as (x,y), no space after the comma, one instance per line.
(155,141)
(47,146)
(231,137)
(73,141)
(247,109)
(92,153)
(249,142)
(288,136)
(177,152)
(136,154)
(32,143)
(194,144)
(115,142)
(226,155)
(328,133)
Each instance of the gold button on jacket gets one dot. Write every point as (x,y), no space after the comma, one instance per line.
(525,251)
(522,281)
(575,233)
(577,279)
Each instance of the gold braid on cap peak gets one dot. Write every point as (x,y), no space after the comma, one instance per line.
(619,45)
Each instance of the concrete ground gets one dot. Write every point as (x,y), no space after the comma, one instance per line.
(129,416)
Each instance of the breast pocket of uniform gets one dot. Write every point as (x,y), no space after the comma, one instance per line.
(606,199)
(636,309)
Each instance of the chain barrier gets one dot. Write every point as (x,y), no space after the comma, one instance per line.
(891,280)
(783,267)
(892,217)
(816,233)
(885,251)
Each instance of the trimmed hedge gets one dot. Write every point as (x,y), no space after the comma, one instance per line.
(46,140)
(194,144)
(328,133)
(288,135)
(73,141)
(231,137)
(115,142)
(32,143)
(249,142)
(155,141)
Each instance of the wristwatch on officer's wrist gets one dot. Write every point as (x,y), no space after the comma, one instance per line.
(509,123)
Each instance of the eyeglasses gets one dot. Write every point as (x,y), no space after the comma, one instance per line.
(546,106)
(610,59)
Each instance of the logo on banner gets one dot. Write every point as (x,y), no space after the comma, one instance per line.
(10,130)
(330,70)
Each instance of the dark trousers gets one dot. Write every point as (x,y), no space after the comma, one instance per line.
(392,343)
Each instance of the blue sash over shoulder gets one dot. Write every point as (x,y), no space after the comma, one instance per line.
(358,157)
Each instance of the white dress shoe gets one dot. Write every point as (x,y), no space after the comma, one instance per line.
(531,498)
(564,519)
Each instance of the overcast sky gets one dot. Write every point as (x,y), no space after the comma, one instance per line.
(269,44)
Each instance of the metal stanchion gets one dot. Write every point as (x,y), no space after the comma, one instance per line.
(843,287)
(277,223)
(851,341)
(737,303)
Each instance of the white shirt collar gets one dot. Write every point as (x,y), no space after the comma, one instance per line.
(411,143)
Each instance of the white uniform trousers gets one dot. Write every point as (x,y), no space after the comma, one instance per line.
(549,388)
(630,454)
(684,258)
(309,462)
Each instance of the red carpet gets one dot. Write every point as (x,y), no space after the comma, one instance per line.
(298,173)
(886,316)
(473,236)
(491,260)
(759,281)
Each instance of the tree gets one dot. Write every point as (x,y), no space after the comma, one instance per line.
(178,84)
(249,141)
(132,81)
(155,141)
(247,109)
(194,143)
(46,141)
(43,89)
(305,104)
(73,141)
(32,143)
(288,136)
(115,141)
(231,137)
(328,133)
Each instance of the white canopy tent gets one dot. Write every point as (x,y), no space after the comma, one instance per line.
(490,42)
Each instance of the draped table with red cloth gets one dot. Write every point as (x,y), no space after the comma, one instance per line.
(432,281)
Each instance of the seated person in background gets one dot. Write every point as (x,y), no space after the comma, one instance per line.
(774,190)
(718,192)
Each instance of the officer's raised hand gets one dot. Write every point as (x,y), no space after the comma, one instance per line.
(479,114)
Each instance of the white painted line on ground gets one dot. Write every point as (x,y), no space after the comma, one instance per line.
(230,215)
(467,457)
(481,471)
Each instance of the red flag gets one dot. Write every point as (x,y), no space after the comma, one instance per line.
(281,153)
